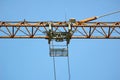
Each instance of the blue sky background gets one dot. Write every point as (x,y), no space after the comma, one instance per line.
(28,59)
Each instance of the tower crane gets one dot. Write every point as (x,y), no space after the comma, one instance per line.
(61,31)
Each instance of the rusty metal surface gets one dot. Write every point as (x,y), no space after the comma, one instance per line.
(38,30)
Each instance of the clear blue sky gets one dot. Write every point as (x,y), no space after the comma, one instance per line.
(28,59)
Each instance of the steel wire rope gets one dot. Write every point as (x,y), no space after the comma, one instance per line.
(108,14)
(54,65)
(68,62)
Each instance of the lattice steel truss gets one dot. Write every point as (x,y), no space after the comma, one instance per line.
(77,30)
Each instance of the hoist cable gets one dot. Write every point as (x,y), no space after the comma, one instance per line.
(68,62)
(54,65)
(108,14)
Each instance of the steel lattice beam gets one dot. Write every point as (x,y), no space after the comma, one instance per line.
(90,30)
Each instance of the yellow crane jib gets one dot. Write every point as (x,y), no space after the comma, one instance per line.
(88,19)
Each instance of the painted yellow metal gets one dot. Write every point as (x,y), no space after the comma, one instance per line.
(88,19)
(78,30)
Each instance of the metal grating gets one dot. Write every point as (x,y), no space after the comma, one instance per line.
(59,52)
